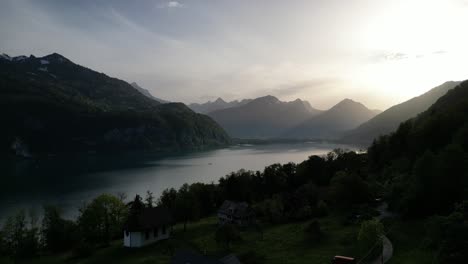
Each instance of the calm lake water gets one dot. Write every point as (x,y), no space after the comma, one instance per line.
(70,181)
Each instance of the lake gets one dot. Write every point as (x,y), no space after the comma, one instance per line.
(70,181)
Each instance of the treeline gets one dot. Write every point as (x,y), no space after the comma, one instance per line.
(279,194)
(99,222)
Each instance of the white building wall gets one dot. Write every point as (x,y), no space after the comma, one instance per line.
(138,239)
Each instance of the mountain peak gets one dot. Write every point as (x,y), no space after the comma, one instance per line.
(5,56)
(55,57)
(219,100)
(268,99)
(348,103)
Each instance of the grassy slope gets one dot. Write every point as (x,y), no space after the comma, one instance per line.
(280,244)
(284,243)
(408,243)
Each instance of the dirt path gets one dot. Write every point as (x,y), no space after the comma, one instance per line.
(387,251)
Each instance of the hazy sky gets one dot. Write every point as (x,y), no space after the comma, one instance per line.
(376,52)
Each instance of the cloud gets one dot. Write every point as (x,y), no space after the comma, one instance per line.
(171,4)
(439,52)
(388,56)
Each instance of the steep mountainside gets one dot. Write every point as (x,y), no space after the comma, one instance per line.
(330,124)
(146,93)
(264,117)
(50,104)
(218,104)
(425,159)
(389,120)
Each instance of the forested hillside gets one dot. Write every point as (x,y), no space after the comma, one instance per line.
(51,105)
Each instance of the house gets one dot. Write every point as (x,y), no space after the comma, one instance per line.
(236,213)
(147,226)
(191,257)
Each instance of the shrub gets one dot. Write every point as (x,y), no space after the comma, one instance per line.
(252,257)
(322,209)
(370,236)
(314,232)
(83,249)
(226,234)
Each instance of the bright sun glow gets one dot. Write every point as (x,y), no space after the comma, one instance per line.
(414,46)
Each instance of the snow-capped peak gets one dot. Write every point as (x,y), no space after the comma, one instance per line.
(5,57)
(20,58)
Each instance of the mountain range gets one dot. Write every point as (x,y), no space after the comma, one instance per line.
(263,117)
(218,104)
(50,104)
(331,124)
(389,120)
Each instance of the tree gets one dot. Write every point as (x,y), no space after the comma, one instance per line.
(102,219)
(226,234)
(447,235)
(136,205)
(149,199)
(271,209)
(275,179)
(58,234)
(348,188)
(187,207)
(322,209)
(20,238)
(370,235)
(168,200)
(313,169)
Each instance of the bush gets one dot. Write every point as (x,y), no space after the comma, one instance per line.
(370,236)
(313,232)
(252,257)
(322,209)
(83,249)
(58,234)
(226,234)
(271,209)
(303,213)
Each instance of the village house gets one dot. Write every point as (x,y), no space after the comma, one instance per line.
(236,213)
(148,226)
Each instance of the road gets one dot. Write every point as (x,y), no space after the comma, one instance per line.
(387,251)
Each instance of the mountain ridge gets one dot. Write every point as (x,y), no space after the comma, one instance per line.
(263,117)
(330,124)
(147,93)
(218,104)
(53,105)
(389,120)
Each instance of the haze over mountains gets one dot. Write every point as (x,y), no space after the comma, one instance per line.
(389,120)
(218,104)
(331,124)
(263,117)
(55,105)
(51,104)
(146,93)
